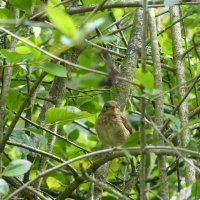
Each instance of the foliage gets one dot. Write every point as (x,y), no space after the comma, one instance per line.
(17,168)
(59,34)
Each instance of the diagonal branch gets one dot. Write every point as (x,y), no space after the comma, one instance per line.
(21,109)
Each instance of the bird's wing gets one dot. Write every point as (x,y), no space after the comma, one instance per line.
(126,123)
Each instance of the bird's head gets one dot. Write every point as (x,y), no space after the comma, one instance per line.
(110,106)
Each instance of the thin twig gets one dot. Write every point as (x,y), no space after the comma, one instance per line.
(53,133)
(63,60)
(21,109)
(117,152)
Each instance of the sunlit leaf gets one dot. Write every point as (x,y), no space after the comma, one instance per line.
(14,57)
(63,21)
(60,48)
(6,14)
(146,79)
(92,137)
(53,183)
(118,12)
(62,115)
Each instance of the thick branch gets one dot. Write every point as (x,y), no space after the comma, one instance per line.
(180,76)
(123,90)
(158,102)
(116,153)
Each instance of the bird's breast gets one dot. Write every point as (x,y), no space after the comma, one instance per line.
(111,130)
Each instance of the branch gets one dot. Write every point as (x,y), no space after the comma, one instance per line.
(116,153)
(180,77)
(53,133)
(102,185)
(136,3)
(21,109)
(63,60)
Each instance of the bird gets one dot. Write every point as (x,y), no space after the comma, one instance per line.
(112,127)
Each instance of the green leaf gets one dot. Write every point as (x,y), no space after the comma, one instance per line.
(175,120)
(21,137)
(63,21)
(14,94)
(192,145)
(118,12)
(4,187)
(34,130)
(53,183)
(91,107)
(62,115)
(147,160)
(42,141)
(166,44)
(73,136)
(59,48)
(132,140)
(146,79)
(155,137)
(18,135)
(54,69)
(108,197)
(13,57)
(9,55)
(21,4)
(6,14)
(195,190)
(26,49)
(127,154)
(23,49)
(151,161)
(17,168)
(92,137)
(39,137)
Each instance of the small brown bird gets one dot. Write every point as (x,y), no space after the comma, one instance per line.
(112,126)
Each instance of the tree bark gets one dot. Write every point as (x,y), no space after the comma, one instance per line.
(180,76)
(158,102)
